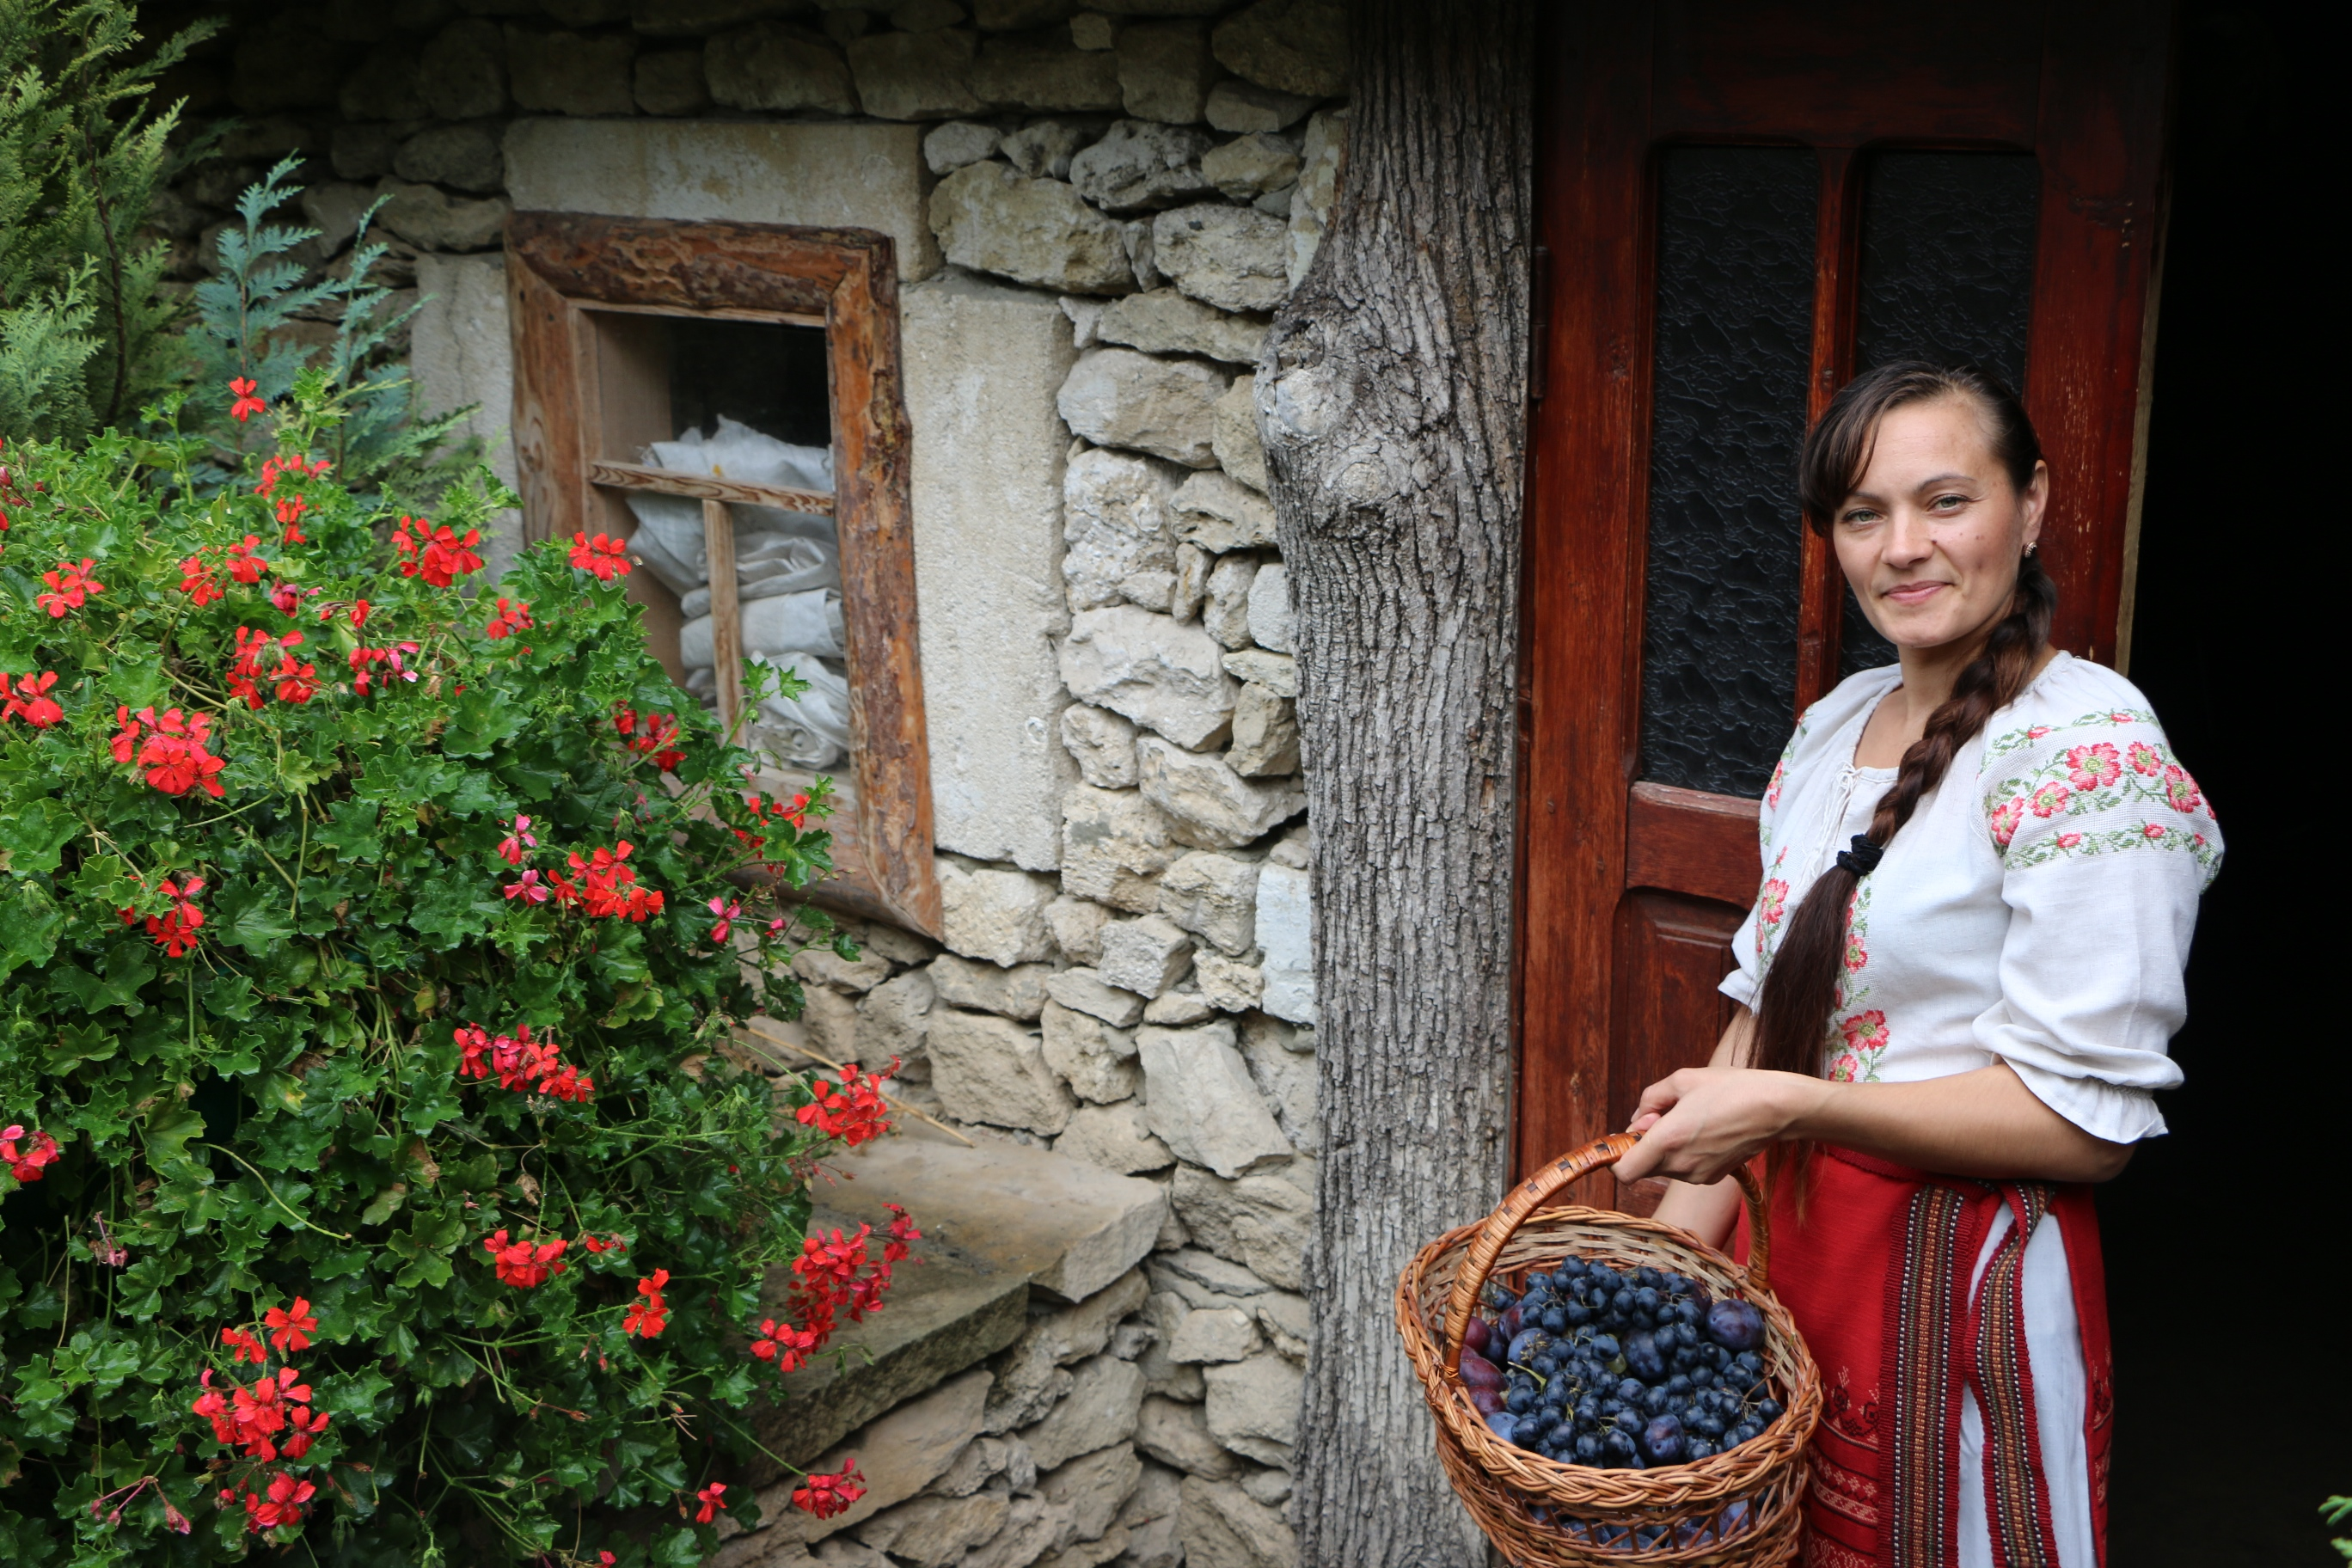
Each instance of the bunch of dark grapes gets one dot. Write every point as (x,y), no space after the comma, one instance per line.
(1619,1371)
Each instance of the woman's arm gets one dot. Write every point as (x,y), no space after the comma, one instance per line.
(1702,1121)
(1709,1211)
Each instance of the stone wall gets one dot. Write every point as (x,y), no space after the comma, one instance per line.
(1095,212)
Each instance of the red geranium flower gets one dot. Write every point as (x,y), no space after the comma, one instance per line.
(243,1346)
(649,1317)
(513,616)
(25,1163)
(519,838)
(607,557)
(520,1263)
(825,1495)
(198,581)
(712,1500)
(247,404)
(69,585)
(290,1328)
(283,1505)
(437,554)
(243,563)
(31,701)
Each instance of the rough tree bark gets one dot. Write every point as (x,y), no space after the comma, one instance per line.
(1392,401)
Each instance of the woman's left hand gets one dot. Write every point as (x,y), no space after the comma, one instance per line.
(1701,1123)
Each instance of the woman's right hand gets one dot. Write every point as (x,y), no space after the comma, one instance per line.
(1699,1124)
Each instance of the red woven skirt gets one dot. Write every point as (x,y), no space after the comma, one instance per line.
(1878,1276)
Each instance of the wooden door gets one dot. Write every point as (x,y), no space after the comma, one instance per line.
(1740,204)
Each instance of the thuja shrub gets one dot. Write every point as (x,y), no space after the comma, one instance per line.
(380,1173)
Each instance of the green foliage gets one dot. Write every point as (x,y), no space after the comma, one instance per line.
(280,1110)
(82,323)
(379,442)
(2335,1510)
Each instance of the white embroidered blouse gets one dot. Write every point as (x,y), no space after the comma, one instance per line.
(2036,909)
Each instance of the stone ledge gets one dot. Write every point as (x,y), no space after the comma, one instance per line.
(997,1221)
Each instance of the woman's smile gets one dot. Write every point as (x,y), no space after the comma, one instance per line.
(1909,594)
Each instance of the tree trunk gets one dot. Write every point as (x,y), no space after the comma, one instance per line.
(1392,401)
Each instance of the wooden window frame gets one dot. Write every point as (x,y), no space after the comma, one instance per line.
(564,269)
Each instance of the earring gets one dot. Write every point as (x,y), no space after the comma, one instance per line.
(2030,548)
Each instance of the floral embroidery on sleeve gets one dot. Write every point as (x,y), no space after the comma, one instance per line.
(1771,909)
(1858,1034)
(2085,795)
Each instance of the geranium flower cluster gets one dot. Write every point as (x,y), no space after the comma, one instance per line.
(765,811)
(650,1314)
(520,1062)
(394,658)
(526,1265)
(607,886)
(174,931)
(202,587)
(833,1277)
(172,749)
(513,615)
(291,508)
(31,701)
(654,734)
(27,1153)
(852,1110)
(69,587)
(826,1495)
(607,557)
(295,682)
(436,553)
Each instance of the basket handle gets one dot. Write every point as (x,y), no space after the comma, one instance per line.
(1537,1191)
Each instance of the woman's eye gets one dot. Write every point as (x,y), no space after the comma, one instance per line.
(1860,517)
(1948,503)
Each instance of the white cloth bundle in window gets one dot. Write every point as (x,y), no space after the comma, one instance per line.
(669,538)
(788,623)
(814,731)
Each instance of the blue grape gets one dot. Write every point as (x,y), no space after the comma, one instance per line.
(1662,1441)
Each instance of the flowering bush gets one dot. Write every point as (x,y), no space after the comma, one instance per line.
(380,1170)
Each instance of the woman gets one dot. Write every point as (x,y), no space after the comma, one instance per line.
(1981,869)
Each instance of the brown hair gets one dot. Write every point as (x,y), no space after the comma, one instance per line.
(1800,989)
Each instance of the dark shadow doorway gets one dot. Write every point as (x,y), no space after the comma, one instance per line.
(2231,1388)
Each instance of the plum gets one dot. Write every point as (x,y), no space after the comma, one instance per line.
(1526,1345)
(1507,1326)
(1503,1425)
(1735,1325)
(1662,1441)
(1478,1335)
(1488,1400)
(1480,1372)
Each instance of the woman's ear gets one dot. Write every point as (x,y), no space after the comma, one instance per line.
(2035,502)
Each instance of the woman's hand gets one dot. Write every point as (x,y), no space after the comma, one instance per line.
(1699,1124)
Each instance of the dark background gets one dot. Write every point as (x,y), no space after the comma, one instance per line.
(2233,1387)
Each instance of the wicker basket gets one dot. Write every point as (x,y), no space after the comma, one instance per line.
(1589,1517)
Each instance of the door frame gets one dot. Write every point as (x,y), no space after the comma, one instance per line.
(2093,110)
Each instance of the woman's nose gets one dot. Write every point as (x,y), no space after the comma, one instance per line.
(1909,540)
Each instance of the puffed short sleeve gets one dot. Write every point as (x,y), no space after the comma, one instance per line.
(1748,950)
(2106,844)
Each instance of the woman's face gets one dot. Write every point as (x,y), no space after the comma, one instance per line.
(1933,533)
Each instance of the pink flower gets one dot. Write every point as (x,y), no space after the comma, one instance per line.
(1772,790)
(1865,1031)
(2093,767)
(728,911)
(2005,819)
(2068,840)
(1847,1069)
(518,837)
(1856,955)
(2145,758)
(530,889)
(1772,902)
(2180,789)
(2153,831)
(2050,799)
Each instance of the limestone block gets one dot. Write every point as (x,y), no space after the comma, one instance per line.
(1228,984)
(1095,1486)
(1045,73)
(1191,583)
(822,967)
(986,486)
(934,1532)
(1292,849)
(1232,257)
(1117,397)
(982,1460)
(1292,46)
(1114,843)
(1247,167)
(991,219)
(460,352)
(893,1020)
(1278,672)
(1247,108)
(1236,440)
(816,173)
(994,914)
(1162,674)
(830,1020)
(950,146)
(1201,1100)
(670,82)
(916,76)
(462,74)
(1265,734)
(1145,956)
(1027,1382)
(1252,1406)
(1015,993)
(1179,1007)
(334,209)
(1115,1137)
(1115,517)
(1210,805)
(465,157)
(1042,148)
(1202,1279)
(1164,71)
(1102,744)
(1263,1221)
(1138,166)
(1137,235)
(899,946)
(1223,1527)
(1272,622)
(1025,1389)
(572,73)
(1168,321)
(1212,511)
(992,1070)
(1318,181)
(1085,990)
(431,219)
(1177,1435)
(1093,30)
(899,1454)
(1286,1074)
(1284,933)
(1033,1527)
(1287,1322)
(1099,1410)
(1214,896)
(1179,1382)
(776,67)
(1097,1061)
(1214,1334)
(1076,924)
(1151,1517)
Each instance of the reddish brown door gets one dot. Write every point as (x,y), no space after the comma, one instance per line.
(1740,205)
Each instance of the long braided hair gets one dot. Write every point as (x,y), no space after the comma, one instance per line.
(1799,991)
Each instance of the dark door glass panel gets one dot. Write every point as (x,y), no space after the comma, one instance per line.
(1947,275)
(1735,312)
(765,374)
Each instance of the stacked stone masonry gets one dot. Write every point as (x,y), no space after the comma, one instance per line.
(1096,210)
